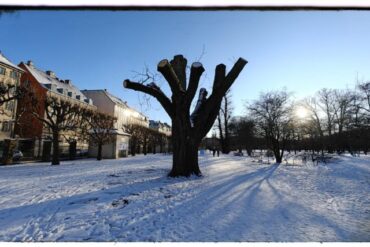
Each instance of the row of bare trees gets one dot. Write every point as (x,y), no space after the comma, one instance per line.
(73,120)
(66,119)
(332,120)
(145,140)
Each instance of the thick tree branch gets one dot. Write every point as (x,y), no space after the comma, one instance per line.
(156,92)
(196,72)
(170,75)
(232,75)
(209,110)
(179,66)
(219,76)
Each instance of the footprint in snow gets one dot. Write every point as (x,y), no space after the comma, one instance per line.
(84,201)
(121,202)
(113,175)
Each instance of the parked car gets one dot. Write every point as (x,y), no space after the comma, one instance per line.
(81,153)
(17,155)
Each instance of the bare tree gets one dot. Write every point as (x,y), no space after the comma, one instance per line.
(364,105)
(272,113)
(342,108)
(99,129)
(9,92)
(59,115)
(327,101)
(243,131)
(136,132)
(189,129)
(223,122)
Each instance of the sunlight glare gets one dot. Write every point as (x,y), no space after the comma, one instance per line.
(301,112)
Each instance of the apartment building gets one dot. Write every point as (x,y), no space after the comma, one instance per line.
(10,74)
(32,132)
(109,104)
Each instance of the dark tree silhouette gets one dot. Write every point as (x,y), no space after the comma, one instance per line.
(9,92)
(272,113)
(188,130)
(243,132)
(223,122)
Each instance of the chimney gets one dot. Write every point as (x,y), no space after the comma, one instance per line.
(69,82)
(51,74)
(88,101)
(30,63)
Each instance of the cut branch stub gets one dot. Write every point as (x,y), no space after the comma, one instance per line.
(234,73)
(170,75)
(196,72)
(219,75)
(179,66)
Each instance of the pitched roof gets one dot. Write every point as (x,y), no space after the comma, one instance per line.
(45,79)
(114,99)
(6,61)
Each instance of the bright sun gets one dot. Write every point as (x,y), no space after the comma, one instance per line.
(301,112)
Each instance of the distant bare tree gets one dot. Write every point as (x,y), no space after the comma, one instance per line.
(326,103)
(272,113)
(364,96)
(243,132)
(99,128)
(223,122)
(136,132)
(59,115)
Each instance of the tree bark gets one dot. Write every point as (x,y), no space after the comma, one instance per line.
(55,159)
(185,151)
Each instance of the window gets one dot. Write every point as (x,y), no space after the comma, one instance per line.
(14,74)
(2,71)
(10,106)
(5,127)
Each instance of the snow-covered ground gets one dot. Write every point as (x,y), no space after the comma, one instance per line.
(131,199)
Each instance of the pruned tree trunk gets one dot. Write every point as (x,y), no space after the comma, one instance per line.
(72,150)
(100,149)
(9,146)
(188,130)
(55,158)
(184,148)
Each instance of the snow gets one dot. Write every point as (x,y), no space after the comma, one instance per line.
(131,199)
(6,61)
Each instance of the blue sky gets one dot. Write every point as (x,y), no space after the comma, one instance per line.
(300,50)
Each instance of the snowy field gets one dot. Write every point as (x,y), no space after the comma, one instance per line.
(131,199)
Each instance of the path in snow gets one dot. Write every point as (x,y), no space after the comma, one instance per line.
(131,199)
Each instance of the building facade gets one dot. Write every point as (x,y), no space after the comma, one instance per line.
(10,74)
(163,144)
(32,133)
(114,106)
(163,128)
